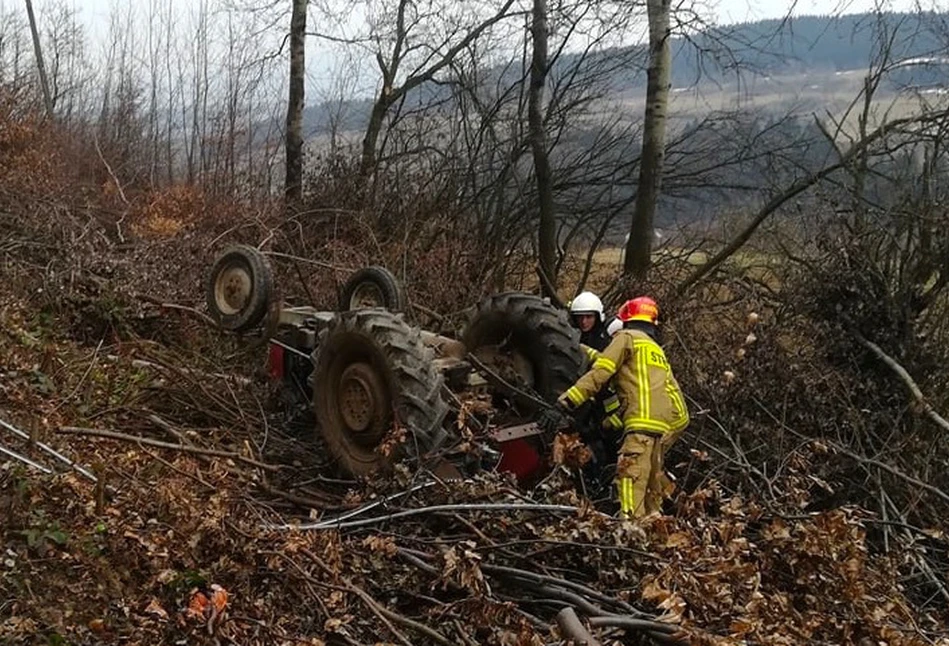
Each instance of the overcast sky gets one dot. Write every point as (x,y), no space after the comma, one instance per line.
(94,14)
(727,11)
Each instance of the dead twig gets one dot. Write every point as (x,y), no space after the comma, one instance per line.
(548,287)
(201,316)
(855,456)
(667,633)
(901,372)
(924,566)
(310,261)
(85,375)
(48,449)
(502,383)
(115,435)
(296,499)
(567,509)
(428,312)
(381,611)
(162,424)
(25,460)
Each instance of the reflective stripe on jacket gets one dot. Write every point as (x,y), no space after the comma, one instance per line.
(606,397)
(649,395)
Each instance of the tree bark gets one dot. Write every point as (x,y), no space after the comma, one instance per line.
(293,183)
(639,247)
(547,228)
(367,162)
(40,65)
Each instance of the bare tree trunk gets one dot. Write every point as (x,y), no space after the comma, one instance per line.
(639,246)
(367,161)
(293,182)
(547,228)
(40,65)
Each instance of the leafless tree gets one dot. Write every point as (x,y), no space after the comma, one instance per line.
(40,65)
(293,184)
(639,246)
(547,229)
(435,57)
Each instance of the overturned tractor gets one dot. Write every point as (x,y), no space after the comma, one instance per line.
(383,390)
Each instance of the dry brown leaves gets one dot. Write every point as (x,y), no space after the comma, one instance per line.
(731,570)
(570,451)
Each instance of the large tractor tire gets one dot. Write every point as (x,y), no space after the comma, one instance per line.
(239,288)
(527,340)
(373,375)
(372,287)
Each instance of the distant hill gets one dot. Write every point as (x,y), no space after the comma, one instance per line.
(806,43)
(796,45)
(767,47)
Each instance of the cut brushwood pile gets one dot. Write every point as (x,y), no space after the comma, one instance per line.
(153,489)
(164,503)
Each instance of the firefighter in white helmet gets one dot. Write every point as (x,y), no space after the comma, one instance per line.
(601,423)
(586,312)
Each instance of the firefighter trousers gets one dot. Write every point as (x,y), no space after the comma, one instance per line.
(641,480)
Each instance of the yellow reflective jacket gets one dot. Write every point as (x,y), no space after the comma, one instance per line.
(649,395)
(606,397)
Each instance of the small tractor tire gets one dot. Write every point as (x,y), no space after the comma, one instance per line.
(372,378)
(534,335)
(373,287)
(239,288)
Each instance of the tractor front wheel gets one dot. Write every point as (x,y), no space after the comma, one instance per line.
(376,393)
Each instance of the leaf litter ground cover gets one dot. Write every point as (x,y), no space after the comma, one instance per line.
(183,538)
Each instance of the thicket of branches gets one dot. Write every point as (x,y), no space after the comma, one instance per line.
(836,236)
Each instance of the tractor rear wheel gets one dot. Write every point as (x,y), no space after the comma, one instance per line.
(376,393)
(527,341)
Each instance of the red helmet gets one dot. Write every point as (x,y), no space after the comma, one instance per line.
(641,308)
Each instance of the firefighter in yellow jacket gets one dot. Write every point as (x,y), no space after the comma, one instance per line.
(652,407)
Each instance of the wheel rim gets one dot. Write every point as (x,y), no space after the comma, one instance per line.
(511,365)
(362,403)
(232,289)
(367,295)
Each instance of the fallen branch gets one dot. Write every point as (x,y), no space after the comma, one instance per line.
(855,456)
(201,316)
(48,449)
(659,631)
(563,591)
(920,556)
(171,430)
(543,579)
(905,376)
(431,510)
(570,626)
(358,511)
(428,312)
(114,435)
(384,614)
(25,460)
(310,261)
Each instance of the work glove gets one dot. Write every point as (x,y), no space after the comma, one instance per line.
(565,404)
(550,420)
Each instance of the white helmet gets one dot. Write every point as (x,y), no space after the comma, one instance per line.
(615,326)
(587,303)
